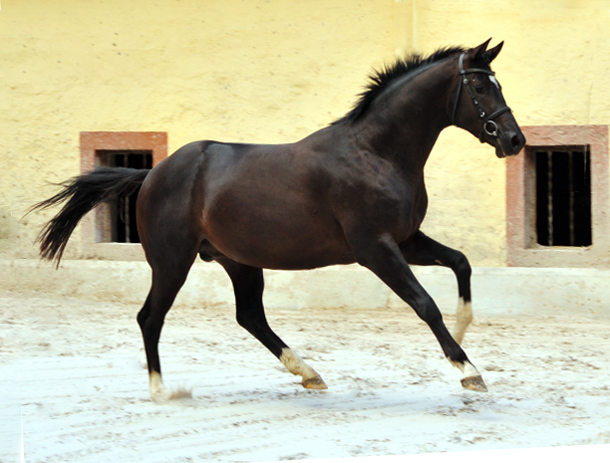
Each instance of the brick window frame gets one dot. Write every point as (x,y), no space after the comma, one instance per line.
(522,249)
(94,222)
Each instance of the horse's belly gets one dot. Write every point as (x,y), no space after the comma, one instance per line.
(286,241)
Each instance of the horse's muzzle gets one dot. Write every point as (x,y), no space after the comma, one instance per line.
(512,143)
(509,143)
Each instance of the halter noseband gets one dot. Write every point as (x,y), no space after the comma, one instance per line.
(489,125)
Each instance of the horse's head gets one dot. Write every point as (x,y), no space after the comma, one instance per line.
(479,106)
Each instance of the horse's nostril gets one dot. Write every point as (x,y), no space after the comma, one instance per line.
(515,141)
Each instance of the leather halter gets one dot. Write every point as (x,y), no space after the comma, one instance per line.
(489,125)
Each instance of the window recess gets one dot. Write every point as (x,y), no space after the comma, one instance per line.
(557,198)
(109,232)
(120,224)
(563,197)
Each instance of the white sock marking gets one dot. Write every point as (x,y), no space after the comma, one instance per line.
(463,317)
(466,368)
(296,365)
(159,394)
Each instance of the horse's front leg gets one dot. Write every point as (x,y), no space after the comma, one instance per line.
(384,258)
(422,250)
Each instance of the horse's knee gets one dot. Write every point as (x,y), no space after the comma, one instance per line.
(428,311)
(461,266)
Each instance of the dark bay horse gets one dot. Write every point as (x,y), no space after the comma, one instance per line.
(351,192)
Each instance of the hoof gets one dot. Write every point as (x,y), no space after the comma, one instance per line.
(314,383)
(474,383)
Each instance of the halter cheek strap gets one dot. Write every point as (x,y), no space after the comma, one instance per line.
(489,125)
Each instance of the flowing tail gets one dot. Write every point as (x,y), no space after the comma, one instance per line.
(83,193)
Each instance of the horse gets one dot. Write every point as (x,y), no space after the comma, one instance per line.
(351,192)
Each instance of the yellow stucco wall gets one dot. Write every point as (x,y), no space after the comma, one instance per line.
(256,71)
(274,71)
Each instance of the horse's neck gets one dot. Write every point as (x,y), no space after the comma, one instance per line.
(410,119)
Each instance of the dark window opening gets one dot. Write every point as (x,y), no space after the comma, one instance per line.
(120,225)
(563,197)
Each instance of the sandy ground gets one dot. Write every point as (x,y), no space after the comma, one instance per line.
(73,380)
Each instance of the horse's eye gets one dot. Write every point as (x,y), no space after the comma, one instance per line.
(479,89)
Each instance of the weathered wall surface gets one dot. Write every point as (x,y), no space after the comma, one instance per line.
(274,71)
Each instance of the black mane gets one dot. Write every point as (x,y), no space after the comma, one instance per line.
(382,79)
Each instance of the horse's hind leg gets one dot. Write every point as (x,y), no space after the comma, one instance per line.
(167,279)
(422,250)
(248,285)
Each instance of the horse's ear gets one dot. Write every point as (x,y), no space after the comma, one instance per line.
(491,54)
(476,52)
